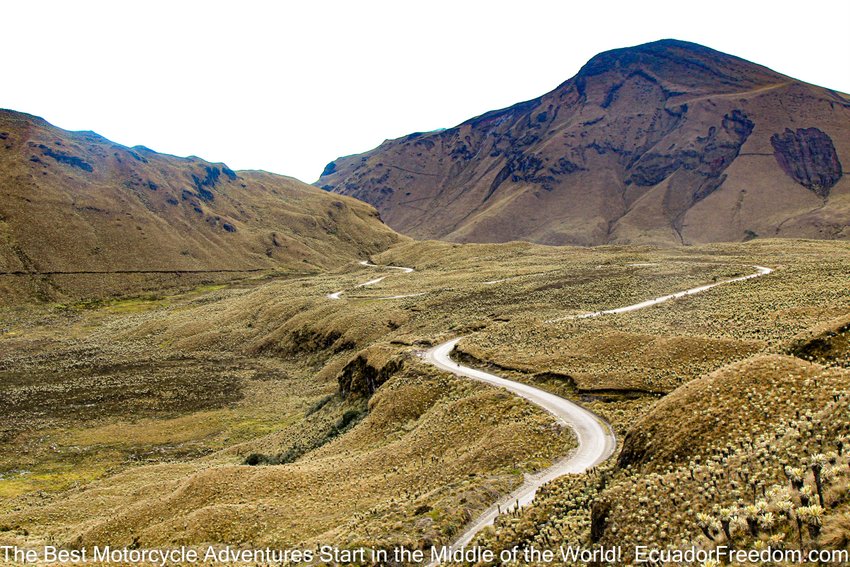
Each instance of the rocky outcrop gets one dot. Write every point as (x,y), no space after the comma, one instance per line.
(307,340)
(808,156)
(65,158)
(367,371)
(634,449)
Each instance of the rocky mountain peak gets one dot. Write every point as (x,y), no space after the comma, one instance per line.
(672,61)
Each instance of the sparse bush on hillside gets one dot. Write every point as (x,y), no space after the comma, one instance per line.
(319,405)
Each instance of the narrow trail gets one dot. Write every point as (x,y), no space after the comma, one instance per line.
(338,294)
(596,440)
(762,271)
(371,265)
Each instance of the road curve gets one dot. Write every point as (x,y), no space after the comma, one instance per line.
(338,294)
(596,440)
(371,265)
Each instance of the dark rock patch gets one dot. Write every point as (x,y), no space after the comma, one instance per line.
(655,168)
(311,341)
(830,347)
(360,378)
(425,143)
(65,158)
(137,157)
(503,174)
(634,449)
(210,180)
(524,168)
(462,151)
(229,173)
(808,156)
(599,512)
(711,156)
(205,194)
(565,167)
(611,95)
(349,419)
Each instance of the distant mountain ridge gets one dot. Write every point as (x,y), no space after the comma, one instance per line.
(74,202)
(665,143)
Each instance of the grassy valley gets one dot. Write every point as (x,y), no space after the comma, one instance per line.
(133,422)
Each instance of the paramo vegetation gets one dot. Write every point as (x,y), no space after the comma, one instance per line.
(260,412)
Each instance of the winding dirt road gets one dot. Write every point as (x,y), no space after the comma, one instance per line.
(596,441)
(762,271)
(338,294)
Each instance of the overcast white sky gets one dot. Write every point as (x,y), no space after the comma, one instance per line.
(289,86)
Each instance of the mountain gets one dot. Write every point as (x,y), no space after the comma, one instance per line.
(666,143)
(74,202)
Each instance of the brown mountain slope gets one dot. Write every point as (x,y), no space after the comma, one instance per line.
(76,202)
(667,142)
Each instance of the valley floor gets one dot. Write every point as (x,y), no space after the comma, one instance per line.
(268,413)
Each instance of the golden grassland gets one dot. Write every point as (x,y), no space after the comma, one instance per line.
(131,419)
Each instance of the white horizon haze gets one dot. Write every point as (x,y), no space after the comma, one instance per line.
(288,87)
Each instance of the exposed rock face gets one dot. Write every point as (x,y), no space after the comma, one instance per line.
(65,158)
(365,373)
(668,142)
(808,156)
(701,166)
